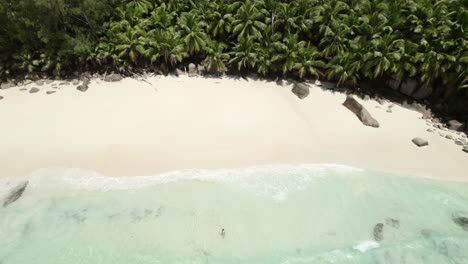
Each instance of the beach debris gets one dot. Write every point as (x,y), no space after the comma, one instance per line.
(34,90)
(461,219)
(392,222)
(361,112)
(455,125)
(84,86)
(15,194)
(222,233)
(420,142)
(50,92)
(378,232)
(449,137)
(364,246)
(301,90)
(192,70)
(114,77)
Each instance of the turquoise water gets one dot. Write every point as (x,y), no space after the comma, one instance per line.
(284,214)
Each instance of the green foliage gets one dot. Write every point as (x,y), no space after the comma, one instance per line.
(342,40)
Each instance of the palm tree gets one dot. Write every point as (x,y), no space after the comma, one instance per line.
(216,58)
(245,53)
(249,21)
(169,46)
(130,44)
(309,62)
(195,38)
(288,52)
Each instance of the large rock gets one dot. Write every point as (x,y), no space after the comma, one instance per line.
(408,87)
(301,90)
(394,84)
(465,149)
(7,85)
(456,125)
(179,72)
(15,194)
(360,112)
(114,77)
(378,232)
(420,142)
(423,92)
(192,70)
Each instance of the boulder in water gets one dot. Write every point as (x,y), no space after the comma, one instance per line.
(461,219)
(378,232)
(360,112)
(15,194)
(301,90)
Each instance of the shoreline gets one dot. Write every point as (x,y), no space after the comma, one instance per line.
(163,124)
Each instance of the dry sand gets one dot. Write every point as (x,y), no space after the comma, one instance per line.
(133,127)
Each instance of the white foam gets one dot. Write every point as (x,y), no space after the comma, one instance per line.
(275,181)
(366,245)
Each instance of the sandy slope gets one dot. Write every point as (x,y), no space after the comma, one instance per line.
(136,128)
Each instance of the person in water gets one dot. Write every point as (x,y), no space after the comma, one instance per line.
(222,233)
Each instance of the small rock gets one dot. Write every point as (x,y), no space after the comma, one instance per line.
(34,90)
(301,90)
(23,89)
(458,142)
(448,137)
(389,110)
(420,142)
(378,232)
(441,134)
(76,82)
(179,72)
(318,83)
(48,81)
(391,106)
(84,86)
(366,97)
(114,77)
(40,82)
(192,70)
(380,101)
(7,85)
(465,149)
(64,83)
(378,106)
(456,125)
(1,97)
(50,92)
(430,130)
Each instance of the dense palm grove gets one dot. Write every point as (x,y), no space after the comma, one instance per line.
(342,40)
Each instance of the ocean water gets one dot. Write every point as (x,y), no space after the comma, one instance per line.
(277,214)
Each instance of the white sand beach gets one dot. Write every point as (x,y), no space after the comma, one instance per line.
(163,124)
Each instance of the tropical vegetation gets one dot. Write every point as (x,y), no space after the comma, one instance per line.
(343,40)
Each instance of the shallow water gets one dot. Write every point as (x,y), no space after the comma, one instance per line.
(284,214)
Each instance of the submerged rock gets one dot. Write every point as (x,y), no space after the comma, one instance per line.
(301,90)
(15,194)
(360,112)
(114,77)
(378,232)
(393,222)
(461,219)
(420,142)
